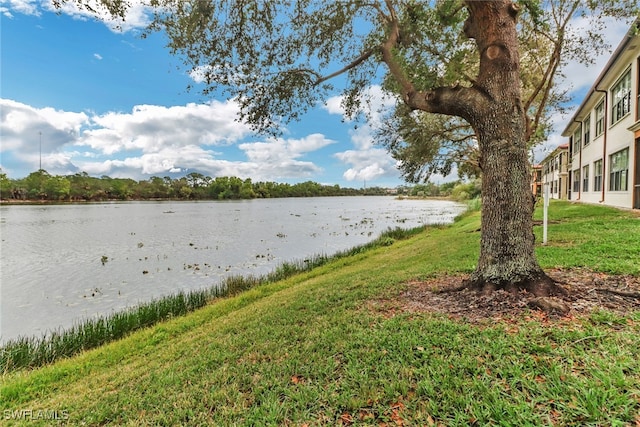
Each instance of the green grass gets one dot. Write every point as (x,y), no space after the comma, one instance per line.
(29,352)
(33,351)
(597,237)
(319,348)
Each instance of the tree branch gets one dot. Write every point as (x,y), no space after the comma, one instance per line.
(406,86)
(359,60)
(451,101)
(459,101)
(546,84)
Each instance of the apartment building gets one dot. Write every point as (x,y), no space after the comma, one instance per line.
(536,180)
(555,172)
(604,133)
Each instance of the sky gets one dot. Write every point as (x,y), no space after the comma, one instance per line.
(79,95)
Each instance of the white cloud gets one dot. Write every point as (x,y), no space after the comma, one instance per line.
(375,102)
(276,149)
(368,165)
(366,162)
(21,126)
(369,173)
(25,7)
(150,140)
(196,158)
(137,15)
(279,158)
(97,56)
(333,105)
(167,160)
(150,128)
(199,74)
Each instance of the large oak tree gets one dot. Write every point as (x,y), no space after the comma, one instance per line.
(459,60)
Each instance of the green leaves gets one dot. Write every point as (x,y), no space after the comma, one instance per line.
(425,144)
(269,55)
(280,58)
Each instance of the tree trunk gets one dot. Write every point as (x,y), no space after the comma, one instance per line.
(493,107)
(507,257)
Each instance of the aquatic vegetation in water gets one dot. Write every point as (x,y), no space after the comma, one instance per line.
(30,352)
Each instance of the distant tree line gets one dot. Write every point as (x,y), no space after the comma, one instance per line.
(457,190)
(41,185)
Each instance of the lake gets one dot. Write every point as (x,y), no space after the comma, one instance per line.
(64,263)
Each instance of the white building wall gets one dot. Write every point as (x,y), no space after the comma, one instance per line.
(618,137)
(556,176)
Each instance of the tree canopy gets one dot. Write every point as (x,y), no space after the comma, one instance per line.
(280,58)
(488,69)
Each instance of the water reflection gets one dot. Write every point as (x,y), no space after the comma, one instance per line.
(60,263)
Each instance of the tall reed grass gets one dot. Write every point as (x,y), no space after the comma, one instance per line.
(31,352)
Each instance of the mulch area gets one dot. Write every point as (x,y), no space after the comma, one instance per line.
(587,291)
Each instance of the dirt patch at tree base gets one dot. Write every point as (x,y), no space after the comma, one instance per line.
(588,291)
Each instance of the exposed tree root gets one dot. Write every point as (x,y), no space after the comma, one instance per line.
(586,291)
(550,305)
(540,291)
(548,293)
(620,293)
(538,284)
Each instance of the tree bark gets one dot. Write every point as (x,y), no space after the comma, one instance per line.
(493,107)
(507,247)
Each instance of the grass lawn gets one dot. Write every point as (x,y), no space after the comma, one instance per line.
(317,349)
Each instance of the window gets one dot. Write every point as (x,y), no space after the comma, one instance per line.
(600,119)
(576,181)
(619,169)
(585,178)
(597,175)
(577,140)
(586,126)
(621,94)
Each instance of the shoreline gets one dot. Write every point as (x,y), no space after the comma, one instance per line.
(356,342)
(82,202)
(18,202)
(33,350)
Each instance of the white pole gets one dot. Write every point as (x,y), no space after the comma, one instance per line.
(545,209)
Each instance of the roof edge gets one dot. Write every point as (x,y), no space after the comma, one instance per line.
(631,33)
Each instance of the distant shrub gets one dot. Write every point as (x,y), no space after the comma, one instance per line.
(466,191)
(474,205)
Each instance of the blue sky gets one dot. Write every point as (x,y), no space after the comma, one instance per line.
(109,102)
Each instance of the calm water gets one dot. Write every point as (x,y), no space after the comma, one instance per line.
(62,263)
